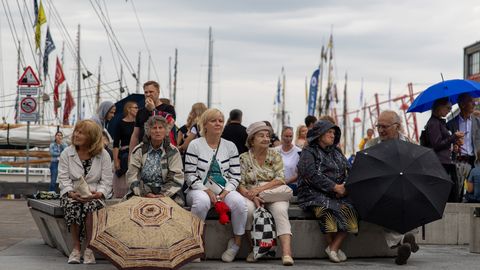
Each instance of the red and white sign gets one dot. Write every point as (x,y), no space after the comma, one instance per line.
(29,78)
(28,105)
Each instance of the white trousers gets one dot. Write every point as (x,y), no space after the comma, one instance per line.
(279,212)
(200,203)
(394,238)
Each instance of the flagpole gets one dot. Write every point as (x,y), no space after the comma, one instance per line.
(79,83)
(320,82)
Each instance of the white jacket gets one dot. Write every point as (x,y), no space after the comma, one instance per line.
(70,168)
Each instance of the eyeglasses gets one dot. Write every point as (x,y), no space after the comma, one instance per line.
(385,126)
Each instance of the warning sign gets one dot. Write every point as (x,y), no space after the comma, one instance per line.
(28,109)
(29,78)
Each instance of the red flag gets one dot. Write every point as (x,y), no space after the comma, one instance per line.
(69,104)
(59,78)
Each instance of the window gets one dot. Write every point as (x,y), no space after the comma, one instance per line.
(474,63)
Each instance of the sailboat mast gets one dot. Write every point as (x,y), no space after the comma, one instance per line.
(175,78)
(79,82)
(137,88)
(320,81)
(283,99)
(19,52)
(99,81)
(210,63)
(149,63)
(345,116)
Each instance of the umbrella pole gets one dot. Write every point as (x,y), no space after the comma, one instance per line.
(423,232)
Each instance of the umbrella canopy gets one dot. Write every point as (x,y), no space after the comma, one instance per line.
(116,120)
(146,233)
(398,185)
(451,89)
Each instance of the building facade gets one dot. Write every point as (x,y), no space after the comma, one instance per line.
(471,62)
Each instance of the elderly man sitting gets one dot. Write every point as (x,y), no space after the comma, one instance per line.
(390,128)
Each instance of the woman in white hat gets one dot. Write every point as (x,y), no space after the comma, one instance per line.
(262,169)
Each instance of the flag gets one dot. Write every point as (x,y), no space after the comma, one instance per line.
(361,94)
(330,46)
(35,10)
(68,107)
(279,92)
(59,78)
(323,54)
(312,97)
(49,47)
(41,19)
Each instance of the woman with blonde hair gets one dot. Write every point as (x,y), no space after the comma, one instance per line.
(85,159)
(212,173)
(192,124)
(301,136)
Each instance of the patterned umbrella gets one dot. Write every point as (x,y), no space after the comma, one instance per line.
(145,233)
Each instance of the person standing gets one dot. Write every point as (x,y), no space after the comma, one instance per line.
(309,121)
(56,148)
(121,142)
(235,132)
(153,106)
(364,140)
(441,140)
(290,156)
(465,155)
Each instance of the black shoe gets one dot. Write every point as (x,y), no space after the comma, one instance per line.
(403,253)
(410,238)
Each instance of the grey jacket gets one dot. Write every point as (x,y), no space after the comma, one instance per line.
(452,125)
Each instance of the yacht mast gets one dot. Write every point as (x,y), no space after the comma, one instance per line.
(79,82)
(210,63)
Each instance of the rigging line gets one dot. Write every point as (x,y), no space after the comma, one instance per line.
(110,43)
(13,30)
(69,39)
(105,23)
(144,39)
(27,33)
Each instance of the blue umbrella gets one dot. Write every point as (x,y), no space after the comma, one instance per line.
(451,89)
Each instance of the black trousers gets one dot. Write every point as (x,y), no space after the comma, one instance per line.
(455,195)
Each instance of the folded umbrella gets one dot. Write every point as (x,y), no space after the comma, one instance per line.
(398,185)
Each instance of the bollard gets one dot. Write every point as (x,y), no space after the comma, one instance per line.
(475,230)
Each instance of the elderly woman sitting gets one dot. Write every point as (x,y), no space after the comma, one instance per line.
(155,167)
(262,169)
(322,171)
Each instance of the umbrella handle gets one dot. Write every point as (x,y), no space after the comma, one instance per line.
(423,232)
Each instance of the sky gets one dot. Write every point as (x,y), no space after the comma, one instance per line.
(377,41)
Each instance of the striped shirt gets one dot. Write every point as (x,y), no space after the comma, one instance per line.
(199,156)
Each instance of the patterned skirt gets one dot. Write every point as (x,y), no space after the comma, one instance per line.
(331,221)
(76,212)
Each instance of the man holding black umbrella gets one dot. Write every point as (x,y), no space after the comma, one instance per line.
(390,128)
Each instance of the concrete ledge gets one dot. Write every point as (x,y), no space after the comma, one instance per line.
(307,241)
(453,228)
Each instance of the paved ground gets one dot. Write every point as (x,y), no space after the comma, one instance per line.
(21,247)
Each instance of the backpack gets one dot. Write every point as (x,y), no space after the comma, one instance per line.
(424,141)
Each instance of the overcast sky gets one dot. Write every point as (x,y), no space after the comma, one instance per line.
(407,41)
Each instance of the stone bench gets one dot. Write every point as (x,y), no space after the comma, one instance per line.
(307,242)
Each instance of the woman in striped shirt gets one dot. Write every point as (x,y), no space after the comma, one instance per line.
(212,173)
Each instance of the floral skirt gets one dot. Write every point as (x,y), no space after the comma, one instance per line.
(76,212)
(331,221)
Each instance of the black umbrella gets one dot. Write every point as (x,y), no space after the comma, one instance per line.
(116,120)
(398,185)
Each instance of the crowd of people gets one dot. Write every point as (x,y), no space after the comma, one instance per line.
(212,159)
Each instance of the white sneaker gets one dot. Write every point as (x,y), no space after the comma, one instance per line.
(341,255)
(74,257)
(229,254)
(332,255)
(88,257)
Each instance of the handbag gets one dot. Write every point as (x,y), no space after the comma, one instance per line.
(210,181)
(263,233)
(80,186)
(276,194)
